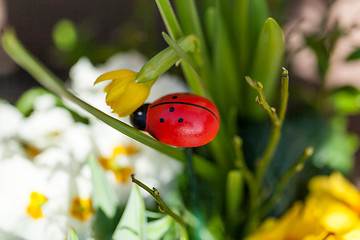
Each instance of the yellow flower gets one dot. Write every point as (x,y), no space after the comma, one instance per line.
(330,211)
(124,96)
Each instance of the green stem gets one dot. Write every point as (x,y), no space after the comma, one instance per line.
(46,78)
(261,100)
(251,183)
(194,192)
(162,206)
(284,180)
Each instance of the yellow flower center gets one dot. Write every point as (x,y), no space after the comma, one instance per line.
(34,208)
(81,209)
(122,173)
(31,151)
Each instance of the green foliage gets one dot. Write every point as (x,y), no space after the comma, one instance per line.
(338,150)
(250,168)
(104,196)
(132,225)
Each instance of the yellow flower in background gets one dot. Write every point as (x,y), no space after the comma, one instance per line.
(123,94)
(330,212)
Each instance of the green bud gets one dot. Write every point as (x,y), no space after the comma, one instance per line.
(165,59)
(234,192)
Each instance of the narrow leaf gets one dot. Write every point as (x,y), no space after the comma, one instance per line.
(234,193)
(168,16)
(104,196)
(132,225)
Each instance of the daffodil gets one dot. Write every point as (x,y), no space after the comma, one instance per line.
(330,211)
(124,95)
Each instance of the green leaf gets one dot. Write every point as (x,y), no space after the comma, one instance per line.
(156,229)
(354,55)
(132,225)
(168,16)
(104,196)
(72,235)
(267,65)
(347,101)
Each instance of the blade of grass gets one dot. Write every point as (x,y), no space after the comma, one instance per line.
(46,78)
(190,23)
(169,18)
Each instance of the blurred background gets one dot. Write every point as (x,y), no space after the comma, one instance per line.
(59,32)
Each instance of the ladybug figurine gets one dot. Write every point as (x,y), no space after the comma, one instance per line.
(179,119)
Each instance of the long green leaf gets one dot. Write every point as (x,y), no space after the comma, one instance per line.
(132,225)
(104,197)
(46,78)
(267,65)
(168,16)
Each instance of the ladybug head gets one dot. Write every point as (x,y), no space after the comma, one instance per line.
(138,118)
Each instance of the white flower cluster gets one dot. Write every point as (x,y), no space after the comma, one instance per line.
(45,181)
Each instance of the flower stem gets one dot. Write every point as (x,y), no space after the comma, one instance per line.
(162,206)
(277,121)
(285,179)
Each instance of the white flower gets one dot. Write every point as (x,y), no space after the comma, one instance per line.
(25,202)
(43,204)
(10,121)
(45,128)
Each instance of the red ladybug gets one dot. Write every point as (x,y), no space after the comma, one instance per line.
(179,119)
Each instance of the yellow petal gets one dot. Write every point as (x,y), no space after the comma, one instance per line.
(123,74)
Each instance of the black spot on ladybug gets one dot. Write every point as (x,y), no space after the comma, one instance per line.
(171,109)
(174,97)
(180,120)
(162,120)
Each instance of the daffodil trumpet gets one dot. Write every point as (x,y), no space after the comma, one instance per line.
(123,94)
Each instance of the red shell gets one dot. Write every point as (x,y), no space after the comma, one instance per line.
(183,120)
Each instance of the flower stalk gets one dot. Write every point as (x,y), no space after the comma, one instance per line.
(162,205)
